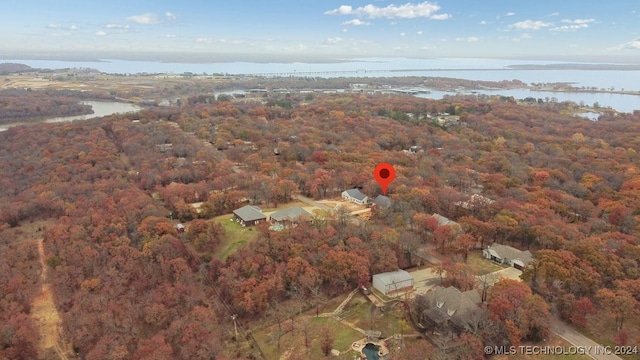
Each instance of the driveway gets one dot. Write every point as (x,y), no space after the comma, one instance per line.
(424,280)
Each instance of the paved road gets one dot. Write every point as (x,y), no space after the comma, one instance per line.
(575,338)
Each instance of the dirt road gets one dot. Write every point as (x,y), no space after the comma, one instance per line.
(45,312)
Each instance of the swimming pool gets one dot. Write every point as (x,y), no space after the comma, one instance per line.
(371,351)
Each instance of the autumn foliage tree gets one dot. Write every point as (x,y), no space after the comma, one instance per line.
(524,315)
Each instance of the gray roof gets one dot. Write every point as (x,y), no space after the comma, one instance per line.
(356,194)
(508,252)
(459,306)
(249,213)
(382,201)
(291,213)
(393,276)
(443,220)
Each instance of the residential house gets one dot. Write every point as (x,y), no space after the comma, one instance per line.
(249,215)
(355,196)
(381,201)
(446,221)
(505,254)
(451,309)
(475,201)
(288,216)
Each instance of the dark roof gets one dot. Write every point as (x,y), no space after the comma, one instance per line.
(249,213)
(459,306)
(290,214)
(356,194)
(382,201)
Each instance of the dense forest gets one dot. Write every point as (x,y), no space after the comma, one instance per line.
(105,195)
(25,105)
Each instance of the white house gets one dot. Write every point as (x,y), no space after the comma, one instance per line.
(505,254)
(355,196)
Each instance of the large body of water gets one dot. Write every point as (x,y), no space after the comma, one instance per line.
(100,109)
(471,69)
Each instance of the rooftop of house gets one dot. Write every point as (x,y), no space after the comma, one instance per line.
(356,194)
(476,200)
(457,305)
(291,213)
(382,201)
(508,252)
(250,213)
(443,220)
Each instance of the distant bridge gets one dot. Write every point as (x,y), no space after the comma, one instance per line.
(320,73)
(356,73)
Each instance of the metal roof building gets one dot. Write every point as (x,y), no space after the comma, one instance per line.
(393,282)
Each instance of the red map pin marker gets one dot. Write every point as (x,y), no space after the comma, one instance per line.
(384,174)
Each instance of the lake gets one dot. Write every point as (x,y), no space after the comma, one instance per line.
(461,68)
(100,109)
(620,102)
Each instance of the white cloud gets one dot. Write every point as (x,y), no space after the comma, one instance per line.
(116,26)
(101,33)
(441,17)
(170,36)
(530,25)
(573,25)
(170,15)
(53,26)
(204,40)
(509,14)
(578,21)
(342,10)
(483,22)
(468,39)
(631,45)
(356,22)
(74,27)
(333,41)
(406,11)
(402,34)
(144,19)
(419,32)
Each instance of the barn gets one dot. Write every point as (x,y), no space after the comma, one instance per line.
(392,283)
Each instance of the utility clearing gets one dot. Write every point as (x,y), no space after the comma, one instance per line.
(45,312)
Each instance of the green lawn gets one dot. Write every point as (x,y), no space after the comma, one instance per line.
(362,314)
(480,265)
(293,340)
(236,236)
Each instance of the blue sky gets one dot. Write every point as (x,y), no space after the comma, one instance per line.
(543,29)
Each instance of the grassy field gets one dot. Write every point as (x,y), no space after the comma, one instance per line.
(362,314)
(293,339)
(236,236)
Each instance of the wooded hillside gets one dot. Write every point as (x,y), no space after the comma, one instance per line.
(128,285)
